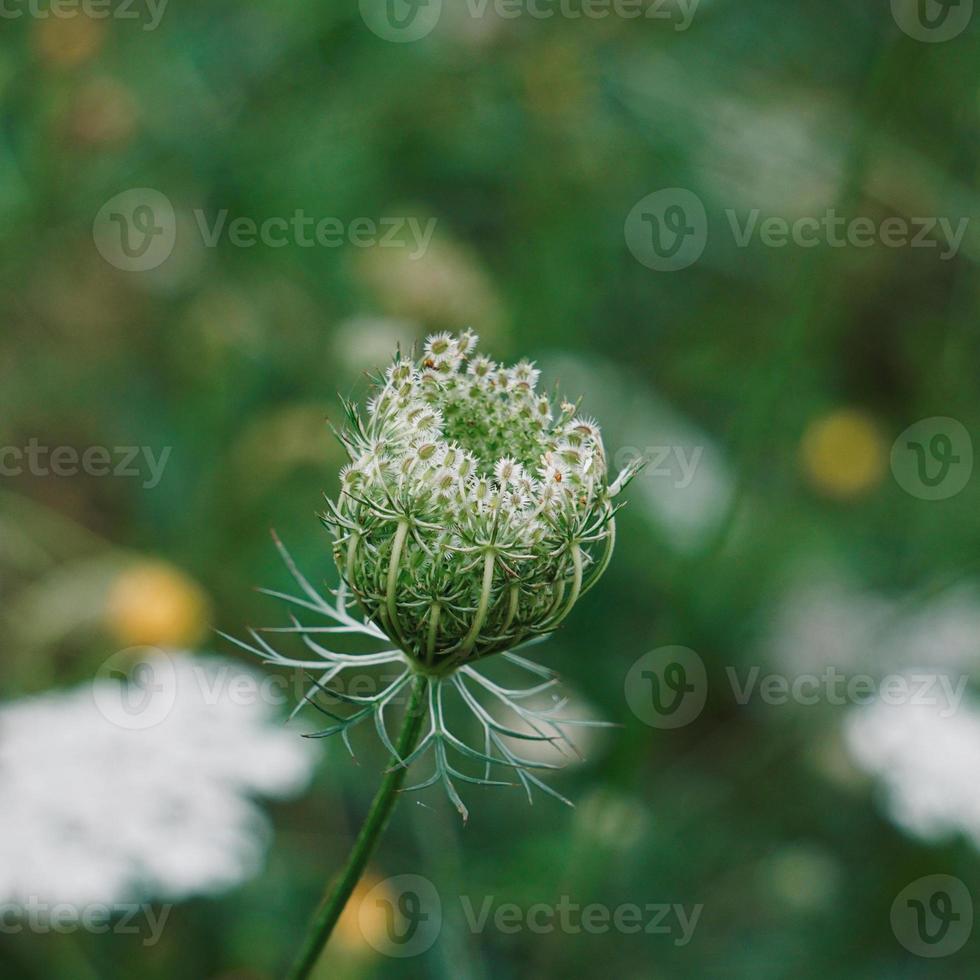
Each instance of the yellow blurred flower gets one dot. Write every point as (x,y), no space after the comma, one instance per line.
(65,42)
(842,454)
(154,604)
(362,927)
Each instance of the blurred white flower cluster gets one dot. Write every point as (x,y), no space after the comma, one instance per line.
(825,618)
(928,762)
(94,811)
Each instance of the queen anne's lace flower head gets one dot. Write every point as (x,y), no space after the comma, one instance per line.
(473,513)
(472,517)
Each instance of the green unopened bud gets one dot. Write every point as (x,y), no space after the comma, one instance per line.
(469,454)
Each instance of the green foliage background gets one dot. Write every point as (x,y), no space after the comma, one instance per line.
(529,142)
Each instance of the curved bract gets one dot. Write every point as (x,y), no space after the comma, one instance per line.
(473,513)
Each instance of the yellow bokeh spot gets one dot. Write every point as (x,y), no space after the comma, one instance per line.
(66,42)
(842,454)
(362,927)
(154,604)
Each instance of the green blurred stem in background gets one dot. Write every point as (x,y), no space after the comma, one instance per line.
(367,840)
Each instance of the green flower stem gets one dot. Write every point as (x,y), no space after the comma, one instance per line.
(367,840)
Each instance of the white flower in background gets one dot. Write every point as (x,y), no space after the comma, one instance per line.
(824,618)
(783,157)
(927,759)
(687,487)
(945,631)
(98,809)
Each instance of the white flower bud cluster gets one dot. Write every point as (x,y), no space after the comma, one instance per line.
(471,516)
